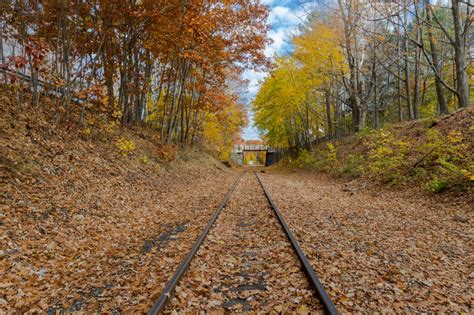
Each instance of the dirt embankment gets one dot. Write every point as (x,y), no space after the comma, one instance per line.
(92,223)
(461,121)
(427,157)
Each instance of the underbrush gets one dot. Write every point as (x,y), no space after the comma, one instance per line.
(437,158)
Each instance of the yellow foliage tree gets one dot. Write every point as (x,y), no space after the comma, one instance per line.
(222,129)
(292,103)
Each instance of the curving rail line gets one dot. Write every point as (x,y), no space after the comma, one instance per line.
(168,291)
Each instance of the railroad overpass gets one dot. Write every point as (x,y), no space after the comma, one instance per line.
(255,154)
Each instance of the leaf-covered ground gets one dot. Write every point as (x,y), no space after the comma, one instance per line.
(379,250)
(83,228)
(246,262)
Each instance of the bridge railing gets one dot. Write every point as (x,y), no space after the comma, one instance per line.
(251,147)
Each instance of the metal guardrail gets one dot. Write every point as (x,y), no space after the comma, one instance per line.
(238,148)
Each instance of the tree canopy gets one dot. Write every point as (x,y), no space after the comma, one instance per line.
(170,64)
(362,64)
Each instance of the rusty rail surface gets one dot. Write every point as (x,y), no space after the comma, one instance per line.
(322,295)
(168,291)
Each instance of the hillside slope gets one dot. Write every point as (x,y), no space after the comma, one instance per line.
(90,219)
(433,156)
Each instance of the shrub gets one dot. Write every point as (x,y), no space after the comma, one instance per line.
(331,154)
(444,157)
(87,131)
(443,153)
(353,165)
(439,163)
(429,122)
(469,172)
(387,156)
(166,152)
(305,159)
(323,160)
(125,147)
(145,159)
(110,127)
(437,185)
(365,132)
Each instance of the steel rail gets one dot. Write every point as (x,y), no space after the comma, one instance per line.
(168,291)
(322,295)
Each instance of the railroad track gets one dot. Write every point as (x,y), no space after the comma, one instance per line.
(319,292)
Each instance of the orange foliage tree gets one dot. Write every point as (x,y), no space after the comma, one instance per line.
(162,62)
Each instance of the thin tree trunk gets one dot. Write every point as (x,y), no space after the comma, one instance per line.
(460,52)
(407,73)
(440,97)
(2,56)
(416,78)
(170,124)
(358,115)
(399,70)
(165,108)
(399,85)
(65,59)
(337,114)
(327,96)
(374,82)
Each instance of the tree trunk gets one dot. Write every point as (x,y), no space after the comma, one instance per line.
(358,119)
(109,83)
(460,53)
(416,87)
(399,80)
(327,96)
(440,97)
(376,105)
(2,56)
(337,114)
(407,73)
(65,59)
(355,119)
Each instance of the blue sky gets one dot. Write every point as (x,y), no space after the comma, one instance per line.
(284,18)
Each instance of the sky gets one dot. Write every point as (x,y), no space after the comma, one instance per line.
(284,18)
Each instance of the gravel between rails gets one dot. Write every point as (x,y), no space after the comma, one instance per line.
(246,263)
(380,250)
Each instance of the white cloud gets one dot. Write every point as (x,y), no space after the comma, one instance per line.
(254,79)
(279,38)
(284,21)
(283,16)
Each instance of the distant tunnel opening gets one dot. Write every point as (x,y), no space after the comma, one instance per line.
(254,158)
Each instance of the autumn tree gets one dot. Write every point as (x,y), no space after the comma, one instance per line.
(298,102)
(362,64)
(161,63)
